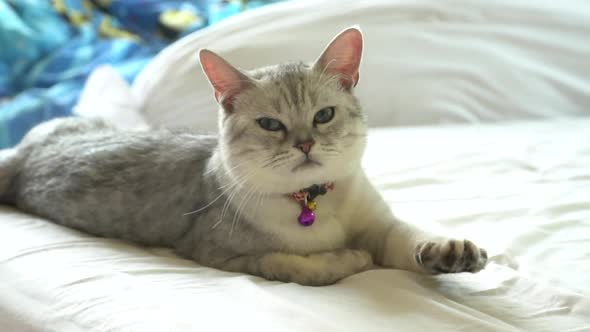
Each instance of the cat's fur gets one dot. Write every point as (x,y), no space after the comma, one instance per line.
(139,185)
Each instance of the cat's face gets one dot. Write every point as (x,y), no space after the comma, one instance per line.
(287,127)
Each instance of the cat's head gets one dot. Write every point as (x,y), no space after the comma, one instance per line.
(286,127)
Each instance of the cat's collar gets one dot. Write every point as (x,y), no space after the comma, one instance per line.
(306,198)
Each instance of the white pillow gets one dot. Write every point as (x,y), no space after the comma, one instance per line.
(425,61)
(107,95)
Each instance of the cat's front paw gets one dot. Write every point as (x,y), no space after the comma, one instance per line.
(317,269)
(451,256)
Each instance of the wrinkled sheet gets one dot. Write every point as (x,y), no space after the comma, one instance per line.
(518,189)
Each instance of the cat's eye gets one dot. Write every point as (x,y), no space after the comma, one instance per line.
(270,124)
(324,115)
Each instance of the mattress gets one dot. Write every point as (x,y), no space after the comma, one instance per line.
(519,189)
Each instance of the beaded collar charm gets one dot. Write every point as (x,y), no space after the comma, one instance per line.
(306,198)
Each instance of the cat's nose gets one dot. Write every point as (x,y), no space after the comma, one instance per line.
(305,147)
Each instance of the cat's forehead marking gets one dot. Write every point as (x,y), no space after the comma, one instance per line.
(291,85)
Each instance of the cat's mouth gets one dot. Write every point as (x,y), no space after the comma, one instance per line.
(306,164)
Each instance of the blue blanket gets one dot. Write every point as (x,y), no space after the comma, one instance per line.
(48,48)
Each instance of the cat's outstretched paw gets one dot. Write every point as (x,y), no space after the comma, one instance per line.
(451,256)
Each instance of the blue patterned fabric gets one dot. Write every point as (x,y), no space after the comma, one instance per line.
(48,48)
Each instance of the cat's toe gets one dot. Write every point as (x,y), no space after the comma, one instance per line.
(475,258)
(451,256)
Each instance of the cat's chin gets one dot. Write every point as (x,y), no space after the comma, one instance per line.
(306,165)
(294,181)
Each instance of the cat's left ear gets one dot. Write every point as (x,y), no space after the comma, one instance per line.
(227,81)
(342,57)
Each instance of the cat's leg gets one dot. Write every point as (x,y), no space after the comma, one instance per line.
(316,269)
(396,244)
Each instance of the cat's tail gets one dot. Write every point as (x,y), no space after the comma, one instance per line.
(10,163)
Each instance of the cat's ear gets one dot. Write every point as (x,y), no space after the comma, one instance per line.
(226,80)
(342,57)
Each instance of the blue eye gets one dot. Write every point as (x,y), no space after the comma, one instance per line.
(270,124)
(324,115)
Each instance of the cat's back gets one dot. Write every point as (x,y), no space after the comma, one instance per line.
(75,135)
(89,175)
(92,148)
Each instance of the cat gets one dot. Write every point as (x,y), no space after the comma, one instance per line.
(232,201)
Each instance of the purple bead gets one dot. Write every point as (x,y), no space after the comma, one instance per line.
(307,217)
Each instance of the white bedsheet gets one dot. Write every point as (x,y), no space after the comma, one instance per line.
(521,190)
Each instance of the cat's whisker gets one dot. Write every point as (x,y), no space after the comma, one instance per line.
(260,195)
(268,159)
(206,206)
(238,179)
(331,150)
(213,169)
(231,185)
(239,209)
(282,153)
(236,188)
(279,154)
(270,163)
(231,196)
(226,206)
(256,190)
(216,223)
(281,164)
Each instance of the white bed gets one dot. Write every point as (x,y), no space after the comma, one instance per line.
(519,186)
(520,190)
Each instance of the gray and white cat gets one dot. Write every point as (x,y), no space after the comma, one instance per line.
(282,128)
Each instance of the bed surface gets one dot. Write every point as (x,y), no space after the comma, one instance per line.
(519,189)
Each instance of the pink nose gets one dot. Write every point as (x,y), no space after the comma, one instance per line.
(305,147)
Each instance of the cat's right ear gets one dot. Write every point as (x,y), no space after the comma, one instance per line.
(342,57)
(226,80)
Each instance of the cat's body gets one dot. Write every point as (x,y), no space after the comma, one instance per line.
(226,202)
(133,185)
